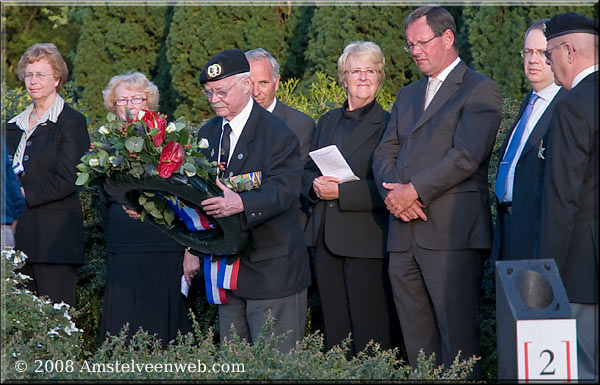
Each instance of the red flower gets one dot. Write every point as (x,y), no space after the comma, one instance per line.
(171,158)
(153,120)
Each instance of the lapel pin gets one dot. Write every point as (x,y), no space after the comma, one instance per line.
(212,152)
(240,156)
(541,150)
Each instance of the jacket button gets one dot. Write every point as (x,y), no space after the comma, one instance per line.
(331,204)
(26,158)
(253,215)
(28,143)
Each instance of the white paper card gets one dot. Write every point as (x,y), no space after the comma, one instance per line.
(184,286)
(331,162)
(547,349)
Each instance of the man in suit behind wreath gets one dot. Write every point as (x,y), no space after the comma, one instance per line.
(521,169)
(569,219)
(246,138)
(431,168)
(265,78)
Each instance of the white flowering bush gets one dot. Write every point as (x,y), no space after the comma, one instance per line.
(33,328)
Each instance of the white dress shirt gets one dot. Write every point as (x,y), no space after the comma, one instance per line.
(545,98)
(237,126)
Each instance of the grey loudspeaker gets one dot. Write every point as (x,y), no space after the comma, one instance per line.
(525,289)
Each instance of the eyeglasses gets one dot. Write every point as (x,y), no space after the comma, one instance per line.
(134,100)
(37,75)
(547,52)
(408,47)
(355,72)
(222,94)
(526,53)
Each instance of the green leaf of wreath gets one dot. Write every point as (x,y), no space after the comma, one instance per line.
(134,144)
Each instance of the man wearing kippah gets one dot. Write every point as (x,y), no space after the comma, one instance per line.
(569,219)
(246,138)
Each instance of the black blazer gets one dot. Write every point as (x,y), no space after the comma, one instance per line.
(304,128)
(355,224)
(51,229)
(527,190)
(302,125)
(278,262)
(569,224)
(444,151)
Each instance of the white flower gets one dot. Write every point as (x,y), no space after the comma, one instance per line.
(141,114)
(203,143)
(68,330)
(103,130)
(94,162)
(171,127)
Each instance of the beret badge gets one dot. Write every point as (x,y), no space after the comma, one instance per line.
(214,70)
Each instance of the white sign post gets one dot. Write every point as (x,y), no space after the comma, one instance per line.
(547,349)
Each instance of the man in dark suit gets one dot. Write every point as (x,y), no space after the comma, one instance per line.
(246,138)
(569,219)
(521,170)
(431,168)
(265,80)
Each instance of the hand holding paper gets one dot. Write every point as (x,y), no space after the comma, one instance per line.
(331,162)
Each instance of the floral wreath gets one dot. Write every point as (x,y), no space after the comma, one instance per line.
(158,169)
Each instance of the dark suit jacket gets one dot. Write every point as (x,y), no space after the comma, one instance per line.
(355,224)
(527,190)
(278,263)
(444,151)
(302,125)
(569,231)
(304,128)
(51,229)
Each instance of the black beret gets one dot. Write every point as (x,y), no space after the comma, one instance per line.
(569,22)
(224,64)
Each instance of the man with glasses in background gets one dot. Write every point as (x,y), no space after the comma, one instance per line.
(569,218)
(431,167)
(521,167)
(246,138)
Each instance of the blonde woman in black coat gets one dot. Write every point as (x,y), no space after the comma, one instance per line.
(45,143)
(349,221)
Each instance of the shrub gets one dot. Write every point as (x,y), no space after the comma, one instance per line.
(33,328)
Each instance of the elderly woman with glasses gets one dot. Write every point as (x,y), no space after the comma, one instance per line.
(144,267)
(45,143)
(349,220)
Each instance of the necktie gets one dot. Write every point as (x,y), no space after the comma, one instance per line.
(431,88)
(225,144)
(504,166)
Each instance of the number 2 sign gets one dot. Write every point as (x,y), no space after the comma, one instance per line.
(547,349)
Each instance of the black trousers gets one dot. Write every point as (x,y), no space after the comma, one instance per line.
(355,298)
(54,280)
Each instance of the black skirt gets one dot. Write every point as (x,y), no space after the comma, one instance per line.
(143,289)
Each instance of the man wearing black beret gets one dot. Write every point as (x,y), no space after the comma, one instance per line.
(569,219)
(246,138)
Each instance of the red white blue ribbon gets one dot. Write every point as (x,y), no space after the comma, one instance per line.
(218,275)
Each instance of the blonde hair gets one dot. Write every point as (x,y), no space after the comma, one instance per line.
(365,49)
(47,51)
(135,81)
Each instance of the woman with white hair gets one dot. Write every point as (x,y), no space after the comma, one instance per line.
(349,220)
(144,266)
